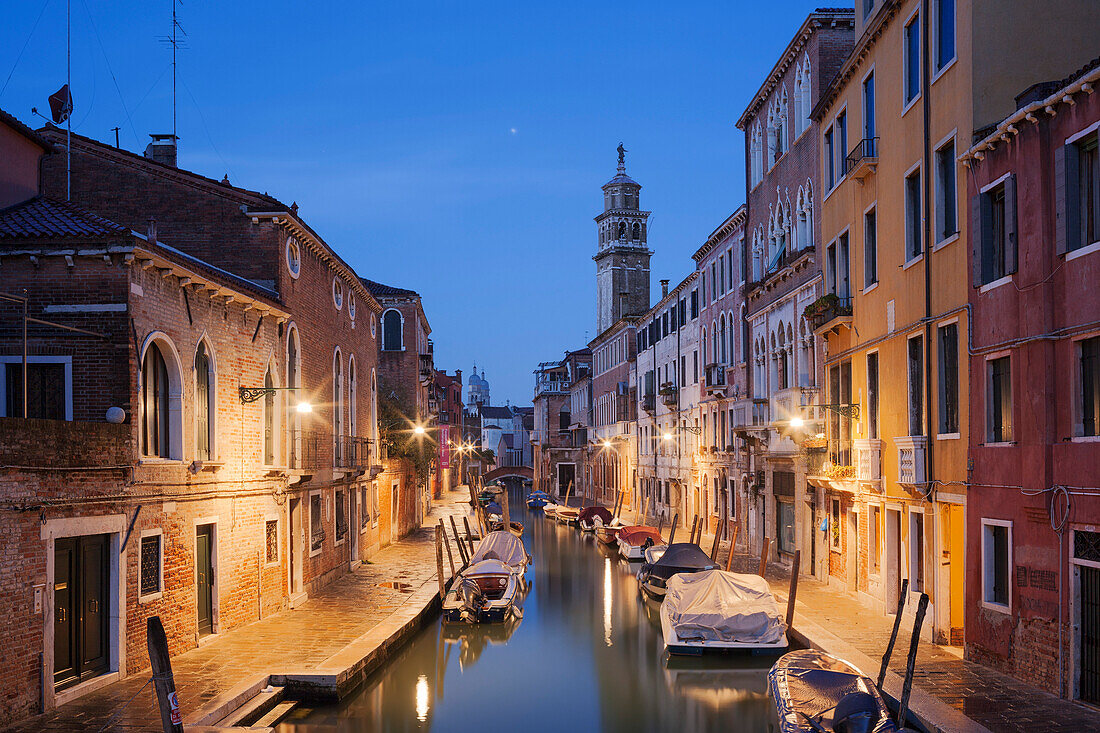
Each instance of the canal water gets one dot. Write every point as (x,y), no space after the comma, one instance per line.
(586,656)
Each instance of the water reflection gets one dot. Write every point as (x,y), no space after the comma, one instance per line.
(587,656)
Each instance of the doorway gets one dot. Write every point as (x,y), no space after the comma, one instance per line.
(204,577)
(353,522)
(81,608)
(567,475)
(297,539)
(1088,636)
(893,559)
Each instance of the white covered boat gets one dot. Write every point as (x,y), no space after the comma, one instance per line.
(714,610)
(503,546)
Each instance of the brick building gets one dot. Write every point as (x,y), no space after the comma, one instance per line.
(1033,544)
(557,456)
(614,413)
(783,277)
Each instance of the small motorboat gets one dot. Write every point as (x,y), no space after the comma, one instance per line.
(489,494)
(593,516)
(567,515)
(815,692)
(661,563)
(484,592)
(550,510)
(608,534)
(635,540)
(503,546)
(537,499)
(713,610)
(496,524)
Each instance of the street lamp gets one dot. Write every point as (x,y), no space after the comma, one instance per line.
(797,422)
(419,430)
(251,394)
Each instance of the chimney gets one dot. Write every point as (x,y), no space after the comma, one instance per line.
(162,149)
(151,236)
(664,288)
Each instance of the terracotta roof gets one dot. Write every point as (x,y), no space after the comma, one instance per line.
(379,290)
(44,218)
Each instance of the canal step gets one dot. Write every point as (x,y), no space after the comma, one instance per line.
(254,709)
(276,714)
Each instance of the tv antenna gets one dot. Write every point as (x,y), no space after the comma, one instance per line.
(177,43)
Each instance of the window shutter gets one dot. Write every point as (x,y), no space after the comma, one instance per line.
(1011,245)
(1067,195)
(977,235)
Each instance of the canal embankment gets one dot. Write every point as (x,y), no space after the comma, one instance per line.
(322,648)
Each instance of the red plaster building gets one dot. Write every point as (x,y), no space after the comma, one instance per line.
(1033,521)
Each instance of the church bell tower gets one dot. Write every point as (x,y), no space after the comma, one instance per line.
(622,258)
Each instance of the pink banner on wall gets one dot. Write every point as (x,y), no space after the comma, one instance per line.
(445,446)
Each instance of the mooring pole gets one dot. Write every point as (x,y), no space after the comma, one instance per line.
(793,592)
(439,563)
(893,634)
(733,543)
(911,662)
(171,719)
(469,534)
(461,550)
(447,545)
(714,546)
(764,555)
(672,532)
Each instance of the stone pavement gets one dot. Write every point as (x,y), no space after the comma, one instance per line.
(301,638)
(949,693)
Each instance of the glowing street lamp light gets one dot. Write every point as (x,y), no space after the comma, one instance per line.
(667,436)
(304,407)
(797,422)
(419,430)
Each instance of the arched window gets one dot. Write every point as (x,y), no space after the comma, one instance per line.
(733,338)
(269,421)
(714,350)
(204,403)
(636,232)
(622,230)
(722,338)
(293,380)
(338,407)
(161,400)
(353,388)
(705,362)
(392,337)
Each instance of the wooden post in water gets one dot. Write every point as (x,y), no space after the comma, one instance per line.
(717,538)
(733,544)
(894,634)
(672,532)
(694,524)
(661,525)
(645,505)
(439,563)
(469,536)
(171,719)
(764,556)
(793,592)
(465,558)
(447,545)
(911,662)
(504,506)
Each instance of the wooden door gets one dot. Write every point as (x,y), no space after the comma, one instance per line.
(296,538)
(204,577)
(81,608)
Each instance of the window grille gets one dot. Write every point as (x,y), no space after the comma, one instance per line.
(150,564)
(271,529)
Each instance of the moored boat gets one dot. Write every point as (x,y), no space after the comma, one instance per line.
(484,592)
(503,546)
(814,691)
(608,534)
(661,563)
(635,540)
(592,517)
(713,610)
(567,515)
(537,499)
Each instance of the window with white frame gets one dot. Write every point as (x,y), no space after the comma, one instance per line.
(834,525)
(874,531)
(337,293)
(996,231)
(997,564)
(915,364)
(1088,398)
(911,59)
(870,248)
(49,387)
(293,257)
(998,400)
(943,17)
(341,516)
(916,551)
(316,523)
(205,405)
(947,220)
(914,240)
(151,564)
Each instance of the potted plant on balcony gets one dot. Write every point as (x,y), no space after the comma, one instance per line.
(820,306)
(840,473)
(815,443)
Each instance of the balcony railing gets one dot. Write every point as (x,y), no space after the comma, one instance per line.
(315,449)
(861,162)
(649,403)
(911,450)
(830,313)
(544,386)
(868,459)
(750,413)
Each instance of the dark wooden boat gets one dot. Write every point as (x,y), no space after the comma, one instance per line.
(813,692)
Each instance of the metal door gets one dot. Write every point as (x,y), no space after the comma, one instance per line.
(1090,633)
(204,577)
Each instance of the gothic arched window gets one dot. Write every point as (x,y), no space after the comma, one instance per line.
(392,338)
(636,232)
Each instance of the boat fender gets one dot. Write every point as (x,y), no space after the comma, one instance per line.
(857,712)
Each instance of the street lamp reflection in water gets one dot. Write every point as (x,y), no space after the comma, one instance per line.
(422,698)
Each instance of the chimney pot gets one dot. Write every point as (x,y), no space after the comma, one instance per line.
(162,149)
(664,288)
(152,233)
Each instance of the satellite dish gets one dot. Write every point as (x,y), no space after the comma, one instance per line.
(61,104)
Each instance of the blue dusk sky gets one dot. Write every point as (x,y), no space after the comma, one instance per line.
(456,148)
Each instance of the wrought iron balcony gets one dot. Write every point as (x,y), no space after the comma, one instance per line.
(714,379)
(829,313)
(863,159)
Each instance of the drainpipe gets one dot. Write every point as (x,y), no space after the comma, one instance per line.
(926,184)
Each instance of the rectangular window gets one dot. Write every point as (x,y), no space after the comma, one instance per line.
(947,224)
(996,563)
(913,239)
(867,5)
(713,283)
(998,401)
(729,268)
(374,504)
(683,370)
(874,517)
(834,525)
(341,516)
(316,524)
(916,385)
(916,552)
(870,249)
(830,160)
(46,393)
(271,540)
(869,125)
(842,287)
(784,525)
(1090,386)
(695,366)
(949,378)
(694,304)
(150,581)
(364,503)
(911,62)
(872,395)
(841,142)
(722,274)
(945,32)
(683,311)
(830,267)
(1088,185)
(997,230)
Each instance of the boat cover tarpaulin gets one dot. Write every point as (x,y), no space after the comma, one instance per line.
(714,605)
(680,557)
(589,513)
(636,536)
(493,508)
(811,683)
(503,546)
